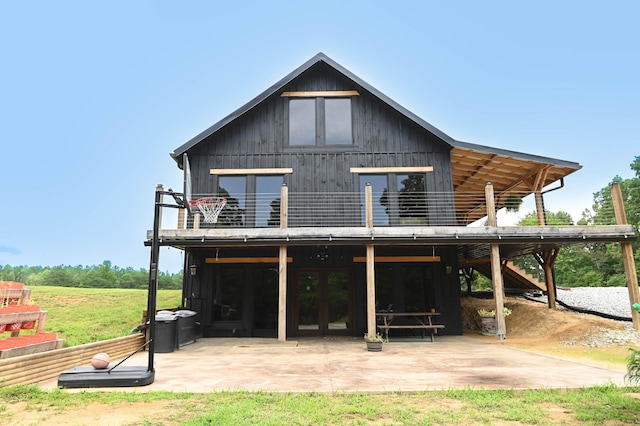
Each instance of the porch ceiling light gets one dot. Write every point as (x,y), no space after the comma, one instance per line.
(322,255)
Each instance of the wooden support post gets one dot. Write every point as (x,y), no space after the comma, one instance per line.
(496,271)
(368,205)
(371,278)
(627,255)
(282,268)
(538,184)
(282,295)
(540,208)
(371,291)
(549,257)
(284,206)
(181,219)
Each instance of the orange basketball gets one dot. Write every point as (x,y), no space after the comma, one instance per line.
(100,361)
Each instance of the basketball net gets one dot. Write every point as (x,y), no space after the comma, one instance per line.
(210,207)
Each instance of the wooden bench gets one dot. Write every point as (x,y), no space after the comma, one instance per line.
(422,321)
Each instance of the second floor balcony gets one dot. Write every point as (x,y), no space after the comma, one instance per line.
(354,217)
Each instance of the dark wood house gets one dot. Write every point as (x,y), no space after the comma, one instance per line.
(341,203)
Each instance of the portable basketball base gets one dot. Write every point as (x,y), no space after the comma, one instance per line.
(89,377)
(117,376)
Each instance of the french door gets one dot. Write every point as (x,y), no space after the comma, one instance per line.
(322,302)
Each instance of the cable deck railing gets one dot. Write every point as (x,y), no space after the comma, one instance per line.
(348,209)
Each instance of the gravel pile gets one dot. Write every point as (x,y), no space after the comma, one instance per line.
(608,300)
(603,337)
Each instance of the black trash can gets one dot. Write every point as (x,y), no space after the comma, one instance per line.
(166,333)
(186,327)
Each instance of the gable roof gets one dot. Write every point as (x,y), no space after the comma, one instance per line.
(275,88)
(472,165)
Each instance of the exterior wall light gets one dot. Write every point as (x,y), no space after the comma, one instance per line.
(193,270)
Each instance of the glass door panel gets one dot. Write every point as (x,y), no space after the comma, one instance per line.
(308,301)
(322,302)
(234,189)
(338,300)
(268,200)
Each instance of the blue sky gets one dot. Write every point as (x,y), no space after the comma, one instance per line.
(94,96)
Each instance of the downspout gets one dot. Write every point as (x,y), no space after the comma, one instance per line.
(547,191)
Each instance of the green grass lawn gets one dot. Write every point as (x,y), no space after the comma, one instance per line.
(608,405)
(86,315)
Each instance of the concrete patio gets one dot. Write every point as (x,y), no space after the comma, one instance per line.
(344,365)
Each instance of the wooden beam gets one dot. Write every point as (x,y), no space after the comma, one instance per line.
(244,260)
(547,260)
(409,234)
(282,294)
(420,169)
(496,271)
(627,255)
(498,290)
(323,94)
(181,217)
(282,267)
(265,171)
(196,220)
(528,180)
(476,166)
(368,205)
(398,259)
(284,207)
(541,177)
(539,208)
(371,291)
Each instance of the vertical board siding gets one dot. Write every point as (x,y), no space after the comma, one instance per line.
(382,138)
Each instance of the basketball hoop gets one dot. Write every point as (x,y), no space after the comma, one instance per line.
(210,207)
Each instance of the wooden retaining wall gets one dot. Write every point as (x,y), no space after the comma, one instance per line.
(34,368)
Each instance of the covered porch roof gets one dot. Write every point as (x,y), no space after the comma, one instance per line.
(510,172)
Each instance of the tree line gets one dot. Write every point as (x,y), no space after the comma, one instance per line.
(104,275)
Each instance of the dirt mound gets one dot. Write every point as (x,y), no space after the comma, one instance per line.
(534,320)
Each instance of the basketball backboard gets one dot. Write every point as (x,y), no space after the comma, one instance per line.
(186,168)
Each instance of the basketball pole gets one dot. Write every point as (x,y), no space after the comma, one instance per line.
(153,267)
(153,278)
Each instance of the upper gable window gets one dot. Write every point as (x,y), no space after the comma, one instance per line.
(302,122)
(319,120)
(337,119)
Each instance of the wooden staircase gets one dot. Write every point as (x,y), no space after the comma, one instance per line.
(513,276)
